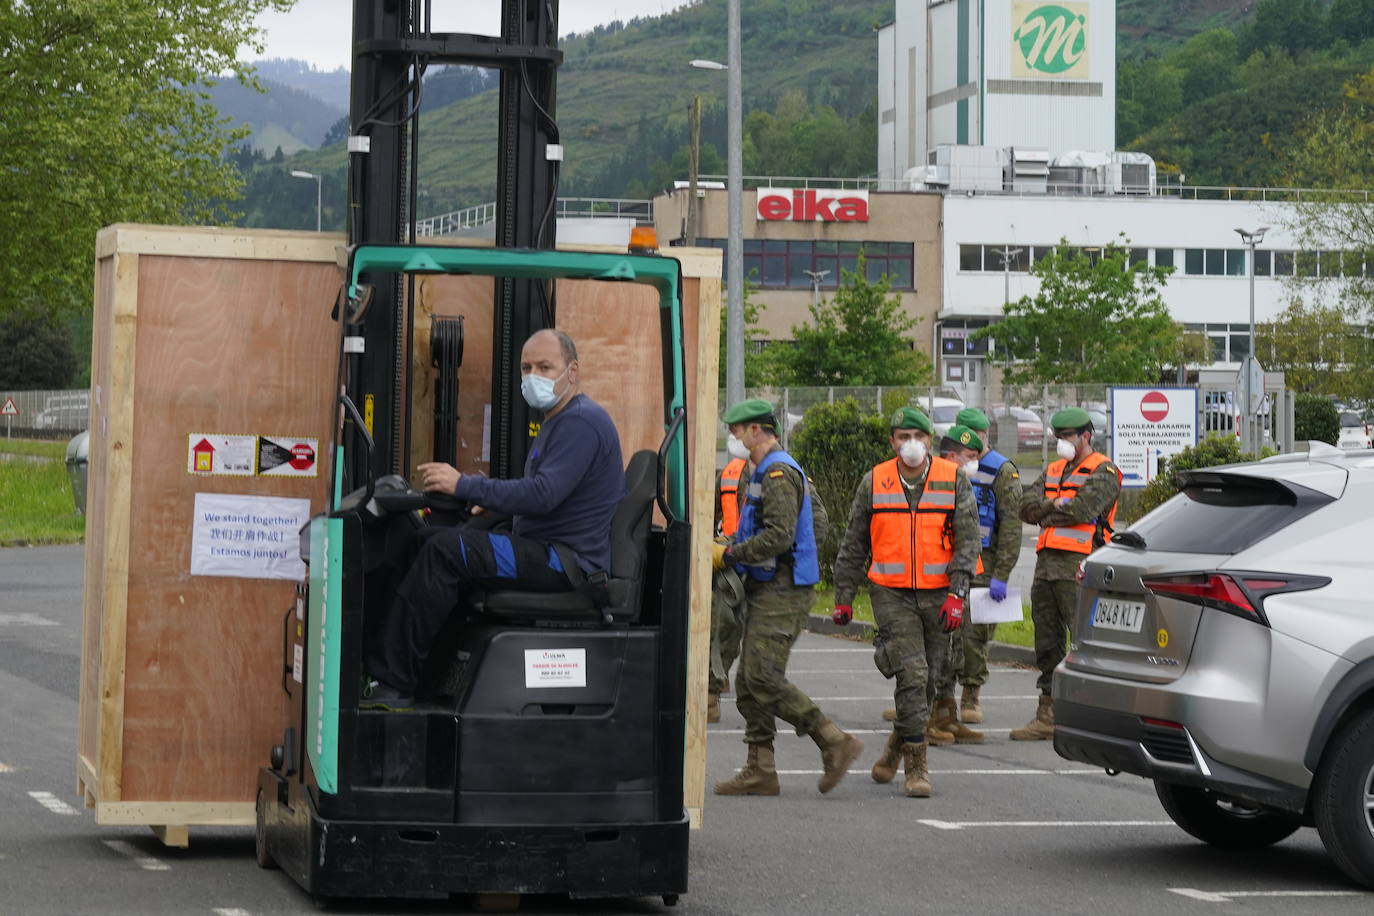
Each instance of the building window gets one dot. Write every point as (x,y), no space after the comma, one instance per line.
(1192,262)
(970,257)
(1263,261)
(1235,262)
(1283,263)
(780,264)
(1164,257)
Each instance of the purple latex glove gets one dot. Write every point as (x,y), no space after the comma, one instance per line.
(997,590)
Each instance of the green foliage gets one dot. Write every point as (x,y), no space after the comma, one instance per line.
(39,506)
(1321,349)
(37,350)
(1095,319)
(105,119)
(836,445)
(1316,419)
(754,363)
(1210,452)
(855,338)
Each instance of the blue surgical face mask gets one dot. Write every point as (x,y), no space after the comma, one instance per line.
(538,390)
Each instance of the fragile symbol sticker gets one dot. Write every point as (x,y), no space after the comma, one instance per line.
(555,668)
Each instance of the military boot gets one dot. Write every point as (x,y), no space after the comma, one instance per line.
(1041,728)
(713,707)
(759,776)
(890,714)
(970,709)
(917,783)
(935,734)
(838,750)
(946,719)
(885,769)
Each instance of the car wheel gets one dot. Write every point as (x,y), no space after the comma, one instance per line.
(1221,821)
(1344,799)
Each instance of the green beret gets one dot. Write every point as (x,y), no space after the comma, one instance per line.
(965,437)
(911,418)
(1071,418)
(973,418)
(745,411)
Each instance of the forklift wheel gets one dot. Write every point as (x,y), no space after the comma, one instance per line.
(260,838)
(670,899)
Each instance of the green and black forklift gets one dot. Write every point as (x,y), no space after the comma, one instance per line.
(490,785)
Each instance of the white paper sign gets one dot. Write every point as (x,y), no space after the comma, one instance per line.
(982,609)
(555,667)
(248,537)
(1149,426)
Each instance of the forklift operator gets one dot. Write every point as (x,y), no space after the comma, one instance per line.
(573,482)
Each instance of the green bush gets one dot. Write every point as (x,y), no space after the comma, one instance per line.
(1210,452)
(836,445)
(1315,418)
(37,350)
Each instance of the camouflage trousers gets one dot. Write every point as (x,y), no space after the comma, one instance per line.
(727,627)
(777,614)
(910,647)
(1052,609)
(967,652)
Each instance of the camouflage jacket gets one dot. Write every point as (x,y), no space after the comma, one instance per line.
(1094,499)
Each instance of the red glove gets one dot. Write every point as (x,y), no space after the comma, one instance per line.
(952,613)
(843,614)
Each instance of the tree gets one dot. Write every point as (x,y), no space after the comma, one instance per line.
(1095,319)
(1321,350)
(856,338)
(1294,25)
(37,350)
(106,118)
(1315,419)
(753,361)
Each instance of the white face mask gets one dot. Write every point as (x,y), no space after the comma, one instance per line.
(971,467)
(1066,449)
(912,453)
(538,390)
(736,448)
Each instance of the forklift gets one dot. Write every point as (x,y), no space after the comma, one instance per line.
(493,784)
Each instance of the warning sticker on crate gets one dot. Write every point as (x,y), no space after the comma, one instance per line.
(248,537)
(555,668)
(285,456)
(226,456)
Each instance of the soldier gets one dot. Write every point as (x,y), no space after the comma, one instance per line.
(961,446)
(913,534)
(774,552)
(727,591)
(997,487)
(1075,516)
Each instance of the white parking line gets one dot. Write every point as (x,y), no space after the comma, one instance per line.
(147,863)
(230,911)
(852,731)
(1030,696)
(1229,896)
(994,772)
(26,620)
(53,803)
(963,825)
(6,768)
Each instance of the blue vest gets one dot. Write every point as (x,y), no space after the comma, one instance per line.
(982,479)
(806,565)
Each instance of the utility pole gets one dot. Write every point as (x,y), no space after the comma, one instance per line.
(693,168)
(816,277)
(1250,428)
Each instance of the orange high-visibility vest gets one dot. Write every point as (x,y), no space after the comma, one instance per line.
(1075,538)
(729,496)
(912,548)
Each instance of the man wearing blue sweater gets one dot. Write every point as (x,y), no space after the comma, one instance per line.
(573,482)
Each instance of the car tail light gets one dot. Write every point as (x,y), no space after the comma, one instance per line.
(1082,571)
(1238,593)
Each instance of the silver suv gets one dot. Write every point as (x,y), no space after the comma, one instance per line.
(1224,648)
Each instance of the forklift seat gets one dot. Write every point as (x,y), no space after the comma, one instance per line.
(629,551)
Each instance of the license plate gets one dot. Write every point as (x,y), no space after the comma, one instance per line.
(1113,614)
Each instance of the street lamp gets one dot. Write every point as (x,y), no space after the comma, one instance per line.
(816,277)
(1250,369)
(319,185)
(734,182)
(1007,254)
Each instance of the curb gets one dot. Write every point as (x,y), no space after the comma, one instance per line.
(862,631)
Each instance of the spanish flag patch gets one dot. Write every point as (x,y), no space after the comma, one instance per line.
(776,473)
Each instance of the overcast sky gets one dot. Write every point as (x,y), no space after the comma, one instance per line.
(319,31)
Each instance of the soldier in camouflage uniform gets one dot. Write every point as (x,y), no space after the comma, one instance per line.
(918,595)
(962,446)
(774,551)
(727,591)
(1075,514)
(997,487)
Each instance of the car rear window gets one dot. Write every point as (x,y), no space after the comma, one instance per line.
(1350,418)
(1224,513)
(945,414)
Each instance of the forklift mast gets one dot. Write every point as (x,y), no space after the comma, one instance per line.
(393,46)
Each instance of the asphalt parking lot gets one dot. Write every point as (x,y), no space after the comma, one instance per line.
(1011,828)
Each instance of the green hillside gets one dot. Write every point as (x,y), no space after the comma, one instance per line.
(810,74)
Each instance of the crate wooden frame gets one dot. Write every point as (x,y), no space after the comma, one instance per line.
(123,253)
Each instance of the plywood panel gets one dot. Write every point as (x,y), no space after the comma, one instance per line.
(234,347)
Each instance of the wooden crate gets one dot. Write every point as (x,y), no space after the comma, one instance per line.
(228,332)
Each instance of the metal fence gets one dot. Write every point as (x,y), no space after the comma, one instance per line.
(45,414)
(1020,415)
